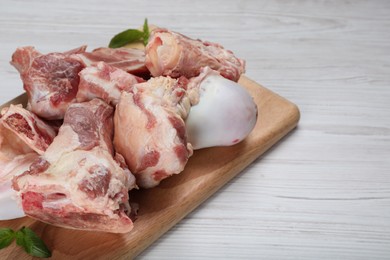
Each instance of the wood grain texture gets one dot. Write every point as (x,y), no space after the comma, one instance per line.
(321,193)
(162,207)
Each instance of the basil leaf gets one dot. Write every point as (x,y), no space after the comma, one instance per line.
(19,238)
(131,35)
(31,243)
(7,235)
(125,37)
(146,32)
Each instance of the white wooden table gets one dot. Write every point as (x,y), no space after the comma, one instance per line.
(323,192)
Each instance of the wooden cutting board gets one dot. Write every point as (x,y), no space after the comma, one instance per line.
(162,207)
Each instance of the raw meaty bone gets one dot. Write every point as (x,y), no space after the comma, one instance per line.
(104,82)
(50,80)
(22,136)
(150,131)
(77,183)
(20,127)
(173,54)
(127,59)
(223,113)
(9,206)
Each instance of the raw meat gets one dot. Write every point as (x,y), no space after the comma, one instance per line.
(22,136)
(150,131)
(77,183)
(9,206)
(173,54)
(22,132)
(50,80)
(127,59)
(104,82)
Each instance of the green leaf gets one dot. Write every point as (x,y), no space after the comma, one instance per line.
(125,37)
(131,35)
(7,235)
(146,32)
(31,243)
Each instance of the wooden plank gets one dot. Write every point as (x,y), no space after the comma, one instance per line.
(162,207)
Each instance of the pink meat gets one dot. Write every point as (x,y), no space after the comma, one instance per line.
(19,164)
(22,131)
(22,136)
(150,131)
(77,183)
(173,54)
(104,82)
(50,80)
(129,60)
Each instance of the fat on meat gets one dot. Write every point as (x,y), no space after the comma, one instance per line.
(9,204)
(105,82)
(50,80)
(22,137)
(79,182)
(22,132)
(173,54)
(150,131)
(127,59)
